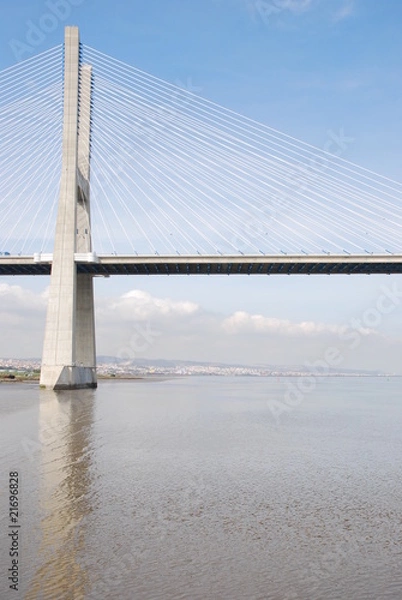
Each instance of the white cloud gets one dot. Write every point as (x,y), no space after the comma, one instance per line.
(22,318)
(16,298)
(139,324)
(242,322)
(140,305)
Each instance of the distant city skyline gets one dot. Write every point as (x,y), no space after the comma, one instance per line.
(115,367)
(316,70)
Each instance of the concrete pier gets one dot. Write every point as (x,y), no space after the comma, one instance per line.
(69,360)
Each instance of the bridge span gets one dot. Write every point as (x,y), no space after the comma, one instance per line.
(106,265)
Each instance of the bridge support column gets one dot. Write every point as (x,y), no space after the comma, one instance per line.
(69,359)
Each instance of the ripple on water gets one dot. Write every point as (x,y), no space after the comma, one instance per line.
(191,490)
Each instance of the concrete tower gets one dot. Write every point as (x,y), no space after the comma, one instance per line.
(69,360)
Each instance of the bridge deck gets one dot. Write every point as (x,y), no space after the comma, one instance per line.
(106,265)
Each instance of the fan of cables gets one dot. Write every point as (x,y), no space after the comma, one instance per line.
(173,173)
(30,152)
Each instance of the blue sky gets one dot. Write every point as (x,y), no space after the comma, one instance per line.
(305,67)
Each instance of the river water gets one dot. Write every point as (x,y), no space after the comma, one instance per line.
(199,488)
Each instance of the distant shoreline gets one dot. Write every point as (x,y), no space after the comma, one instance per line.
(166,376)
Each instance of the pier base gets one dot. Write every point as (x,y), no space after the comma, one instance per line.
(68,378)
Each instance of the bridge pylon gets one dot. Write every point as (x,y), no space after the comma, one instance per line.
(69,358)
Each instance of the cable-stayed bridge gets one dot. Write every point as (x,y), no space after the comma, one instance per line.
(138,176)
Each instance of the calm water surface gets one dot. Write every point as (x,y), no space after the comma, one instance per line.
(191,489)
